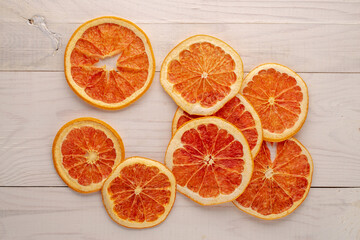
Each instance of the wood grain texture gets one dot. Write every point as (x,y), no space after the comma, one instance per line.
(319,39)
(60,213)
(188,11)
(36,104)
(303,47)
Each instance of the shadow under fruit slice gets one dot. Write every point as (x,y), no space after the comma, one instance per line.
(211,160)
(278,187)
(280,97)
(139,193)
(237,111)
(201,74)
(103,38)
(85,152)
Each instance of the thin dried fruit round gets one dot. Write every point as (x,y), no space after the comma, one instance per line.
(280,97)
(85,152)
(237,111)
(211,160)
(140,193)
(102,38)
(201,74)
(278,187)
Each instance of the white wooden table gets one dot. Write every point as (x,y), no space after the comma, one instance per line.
(320,40)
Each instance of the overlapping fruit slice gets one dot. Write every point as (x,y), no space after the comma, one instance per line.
(85,152)
(211,160)
(237,111)
(103,38)
(201,74)
(140,193)
(280,97)
(278,187)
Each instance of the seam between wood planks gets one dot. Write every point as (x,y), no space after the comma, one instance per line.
(68,187)
(24,19)
(157,71)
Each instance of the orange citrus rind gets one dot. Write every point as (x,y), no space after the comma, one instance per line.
(296,203)
(248,107)
(269,135)
(196,108)
(110,204)
(58,156)
(176,144)
(80,92)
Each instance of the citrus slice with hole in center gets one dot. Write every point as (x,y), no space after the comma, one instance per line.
(201,74)
(237,111)
(85,152)
(211,160)
(140,193)
(278,187)
(102,86)
(280,97)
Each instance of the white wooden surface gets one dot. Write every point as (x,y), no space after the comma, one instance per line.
(318,39)
(59,213)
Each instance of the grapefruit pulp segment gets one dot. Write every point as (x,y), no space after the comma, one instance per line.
(85,151)
(210,159)
(278,187)
(140,193)
(237,111)
(103,38)
(201,74)
(280,97)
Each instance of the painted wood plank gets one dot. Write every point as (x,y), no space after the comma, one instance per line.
(34,105)
(188,11)
(60,213)
(303,47)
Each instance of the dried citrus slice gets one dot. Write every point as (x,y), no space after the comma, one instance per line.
(237,111)
(140,193)
(277,188)
(201,74)
(280,97)
(85,151)
(210,159)
(102,38)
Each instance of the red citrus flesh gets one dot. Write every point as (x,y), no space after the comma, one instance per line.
(277,187)
(236,113)
(210,162)
(88,155)
(203,73)
(106,40)
(276,97)
(140,193)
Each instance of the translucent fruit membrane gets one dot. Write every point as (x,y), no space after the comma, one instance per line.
(102,41)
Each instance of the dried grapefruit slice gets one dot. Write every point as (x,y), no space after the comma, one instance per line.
(237,111)
(85,152)
(201,74)
(211,160)
(140,193)
(280,97)
(277,188)
(103,38)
